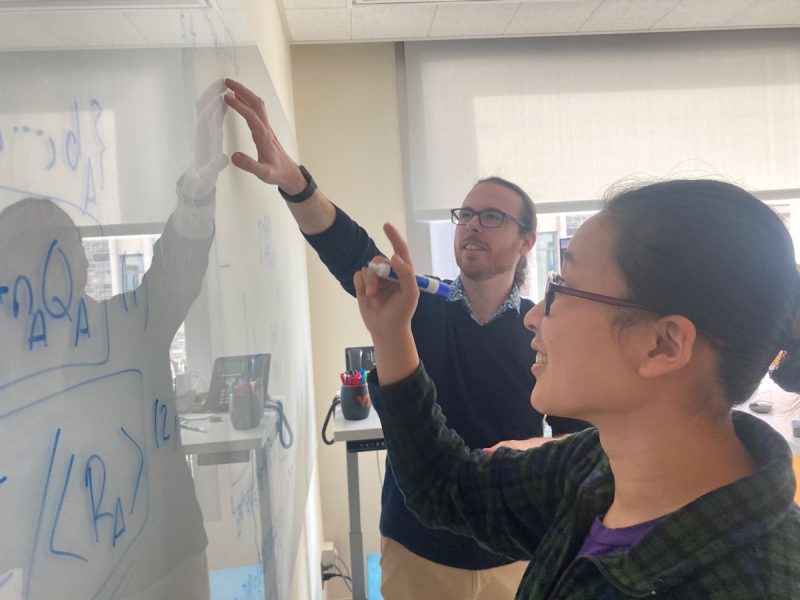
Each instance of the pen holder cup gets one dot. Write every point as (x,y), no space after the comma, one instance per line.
(355,402)
(246,410)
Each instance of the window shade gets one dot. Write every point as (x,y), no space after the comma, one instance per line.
(567,117)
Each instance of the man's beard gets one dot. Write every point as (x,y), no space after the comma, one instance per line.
(486,269)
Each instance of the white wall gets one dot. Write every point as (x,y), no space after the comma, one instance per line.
(348,132)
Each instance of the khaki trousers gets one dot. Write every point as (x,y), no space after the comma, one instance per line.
(407,576)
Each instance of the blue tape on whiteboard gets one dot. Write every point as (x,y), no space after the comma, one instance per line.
(237,583)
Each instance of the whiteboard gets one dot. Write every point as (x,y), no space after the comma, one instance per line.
(112,288)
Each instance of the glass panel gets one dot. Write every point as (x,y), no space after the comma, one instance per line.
(154,384)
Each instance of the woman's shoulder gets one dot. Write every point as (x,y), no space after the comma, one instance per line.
(782,542)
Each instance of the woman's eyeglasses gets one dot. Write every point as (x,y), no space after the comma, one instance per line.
(555,285)
(490,218)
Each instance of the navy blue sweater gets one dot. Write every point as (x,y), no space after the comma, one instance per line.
(483,382)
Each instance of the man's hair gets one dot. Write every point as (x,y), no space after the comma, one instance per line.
(528,218)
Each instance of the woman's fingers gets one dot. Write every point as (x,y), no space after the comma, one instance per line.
(401,261)
(358,283)
(399,245)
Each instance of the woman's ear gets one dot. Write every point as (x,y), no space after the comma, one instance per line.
(671,345)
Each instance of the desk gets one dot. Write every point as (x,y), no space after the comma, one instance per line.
(361,436)
(784,409)
(781,415)
(222,444)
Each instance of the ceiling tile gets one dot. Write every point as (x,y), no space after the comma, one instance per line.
(694,14)
(767,12)
(551,17)
(392,22)
(24,31)
(625,15)
(314,3)
(95,29)
(319,24)
(456,20)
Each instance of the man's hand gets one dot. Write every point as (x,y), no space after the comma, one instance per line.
(201,176)
(274,165)
(534,442)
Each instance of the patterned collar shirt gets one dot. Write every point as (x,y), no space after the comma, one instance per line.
(457,294)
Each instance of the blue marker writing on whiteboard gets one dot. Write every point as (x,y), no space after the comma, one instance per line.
(426,284)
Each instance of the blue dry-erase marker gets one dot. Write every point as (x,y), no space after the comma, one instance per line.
(426,284)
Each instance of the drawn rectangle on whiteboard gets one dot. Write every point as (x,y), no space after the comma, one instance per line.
(44,318)
(77,493)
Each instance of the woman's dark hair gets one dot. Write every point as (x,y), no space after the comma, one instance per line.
(527,216)
(714,253)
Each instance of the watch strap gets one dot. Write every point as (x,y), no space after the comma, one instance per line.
(304,195)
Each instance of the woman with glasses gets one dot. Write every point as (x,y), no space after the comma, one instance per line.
(674,301)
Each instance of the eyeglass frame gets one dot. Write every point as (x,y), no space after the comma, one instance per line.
(478,213)
(553,287)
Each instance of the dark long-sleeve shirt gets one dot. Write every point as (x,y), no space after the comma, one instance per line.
(739,542)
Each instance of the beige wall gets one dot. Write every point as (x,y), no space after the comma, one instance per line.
(348,132)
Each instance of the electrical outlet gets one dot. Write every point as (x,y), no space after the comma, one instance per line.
(328,554)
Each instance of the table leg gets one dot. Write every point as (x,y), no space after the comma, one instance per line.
(268,532)
(356,540)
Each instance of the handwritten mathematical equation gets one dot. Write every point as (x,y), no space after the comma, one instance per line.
(63,147)
(94,493)
(53,299)
(94,479)
(221,35)
(104,504)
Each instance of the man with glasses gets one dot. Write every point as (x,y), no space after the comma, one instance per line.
(473,344)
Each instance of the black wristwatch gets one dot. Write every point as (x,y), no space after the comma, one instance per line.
(311,185)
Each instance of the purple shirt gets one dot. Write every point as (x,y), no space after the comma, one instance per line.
(602,539)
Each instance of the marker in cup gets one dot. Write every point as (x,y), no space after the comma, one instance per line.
(426,284)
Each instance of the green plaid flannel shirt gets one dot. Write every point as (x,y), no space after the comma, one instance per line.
(738,542)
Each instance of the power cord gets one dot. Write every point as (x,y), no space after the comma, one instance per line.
(344,564)
(283,423)
(332,571)
(334,403)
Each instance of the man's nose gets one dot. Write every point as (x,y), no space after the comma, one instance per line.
(474,224)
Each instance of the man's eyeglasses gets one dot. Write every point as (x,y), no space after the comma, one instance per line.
(490,218)
(555,285)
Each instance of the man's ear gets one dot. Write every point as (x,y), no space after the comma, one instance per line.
(528,240)
(669,346)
